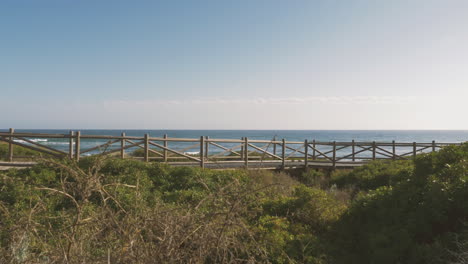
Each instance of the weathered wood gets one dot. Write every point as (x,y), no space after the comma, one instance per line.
(70,145)
(355,153)
(133,144)
(360,151)
(319,152)
(10,145)
(246,152)
(35,135)
(42,146)
(196,145)
(165,145)
(174,151)
(380,149)
(111,137)
(207,143)
(31,147)
(216,158)
(334,154)
(211,140)
(306,155)
(77,145)
(331,151)
(264,151)
(267,146)
(283,154)
(146,154)
(412,151)
(242,148)
(202,156)
(388,154)
(142,147)
(314,157)
(423,148)
(224,148)
(374,148)
(274,145)
(264,146)
(105,145)
(404,155)
(122,146)
(294,151)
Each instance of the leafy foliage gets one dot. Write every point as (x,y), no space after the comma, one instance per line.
(412,221)
(131,211)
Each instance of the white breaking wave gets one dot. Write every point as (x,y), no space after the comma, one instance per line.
(33,140)
(59,143)
(191,152)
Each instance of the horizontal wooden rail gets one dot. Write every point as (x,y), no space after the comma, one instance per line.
(253,152)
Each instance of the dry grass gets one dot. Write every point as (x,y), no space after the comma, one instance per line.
(101,229)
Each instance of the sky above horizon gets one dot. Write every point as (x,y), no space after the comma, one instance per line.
(212,64)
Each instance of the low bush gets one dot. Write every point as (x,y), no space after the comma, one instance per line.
(101,210)
(373,175)
(414,220)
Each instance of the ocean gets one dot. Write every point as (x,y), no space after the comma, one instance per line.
(400,136)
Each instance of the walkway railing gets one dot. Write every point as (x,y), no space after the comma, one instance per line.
(212,152)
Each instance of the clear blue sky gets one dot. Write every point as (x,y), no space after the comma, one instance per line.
(234,64)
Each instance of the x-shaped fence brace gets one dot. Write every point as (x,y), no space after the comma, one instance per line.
(243,150)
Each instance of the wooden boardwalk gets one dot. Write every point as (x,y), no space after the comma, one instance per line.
(215,153)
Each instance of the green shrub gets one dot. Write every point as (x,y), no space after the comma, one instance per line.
(373,175)
(306,215)
(136,212)
(412,221)
(139,212)
(314,177)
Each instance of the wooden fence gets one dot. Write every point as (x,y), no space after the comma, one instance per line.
(220,153)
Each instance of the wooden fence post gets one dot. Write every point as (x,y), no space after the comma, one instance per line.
(334,154)
(202,154)
(274,145)
(206,146)
(74,151)
(10,145)
(242,150)
(77,145)
(374,148)
(306,155)
(246,152)
(70,145)
(146,156)
(283,154)
(313,150)
(122,146)
(165,145)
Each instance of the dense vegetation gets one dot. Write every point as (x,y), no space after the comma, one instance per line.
(18,151)
(123,211)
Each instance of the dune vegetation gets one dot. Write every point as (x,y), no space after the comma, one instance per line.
(18,150)
(107,210)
